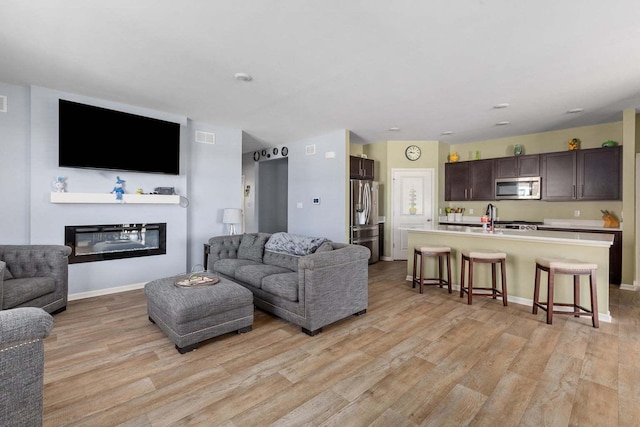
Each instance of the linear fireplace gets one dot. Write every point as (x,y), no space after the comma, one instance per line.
(91,243)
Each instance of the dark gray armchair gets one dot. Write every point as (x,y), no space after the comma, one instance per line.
(22,331)
(34,276)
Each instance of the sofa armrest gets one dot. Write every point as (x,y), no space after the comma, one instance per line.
(343,255)
(222,247)
(334,284)
(23,325)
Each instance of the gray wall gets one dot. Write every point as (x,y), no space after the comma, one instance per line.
(316,175)
(29,134)
(14,166)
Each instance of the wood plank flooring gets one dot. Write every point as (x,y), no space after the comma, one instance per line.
(413,359)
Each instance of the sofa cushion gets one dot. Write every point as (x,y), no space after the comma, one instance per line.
(18,291)
(281,260)
(284,285)
(252,246)
(294,244)
(228,266)
(253,274)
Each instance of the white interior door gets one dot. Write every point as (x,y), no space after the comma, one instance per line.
(412,196)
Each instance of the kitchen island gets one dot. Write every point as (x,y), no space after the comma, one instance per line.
(522,249)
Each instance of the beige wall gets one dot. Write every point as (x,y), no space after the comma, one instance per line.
(390,154)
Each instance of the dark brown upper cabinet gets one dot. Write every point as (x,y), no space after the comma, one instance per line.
(591,174)
(518,166)
(360,168)
(472,180)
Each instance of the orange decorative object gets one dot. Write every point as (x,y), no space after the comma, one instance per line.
(453,157)
(574,144)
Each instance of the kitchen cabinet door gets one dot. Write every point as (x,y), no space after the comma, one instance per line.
(360,168)
(456,181)
(559,175)
(517,166)
(471,180)
(599,174)
(481,181)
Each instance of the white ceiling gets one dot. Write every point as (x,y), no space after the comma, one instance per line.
(425,66)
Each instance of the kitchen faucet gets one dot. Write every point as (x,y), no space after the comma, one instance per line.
(491,213)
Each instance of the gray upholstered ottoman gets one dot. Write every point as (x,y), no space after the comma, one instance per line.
(191,315)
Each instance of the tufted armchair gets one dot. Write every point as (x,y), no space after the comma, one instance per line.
(22,331)
(34,276)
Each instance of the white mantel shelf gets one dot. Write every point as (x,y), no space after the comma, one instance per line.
(111,198)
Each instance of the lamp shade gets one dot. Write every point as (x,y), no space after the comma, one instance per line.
(232,216)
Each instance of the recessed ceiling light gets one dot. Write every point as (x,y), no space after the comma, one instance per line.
(575,110)
(447,132)
(394,129)
(243,77)
(504,123)
(503,105)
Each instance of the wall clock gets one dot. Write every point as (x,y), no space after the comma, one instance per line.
(284,151)
(412,152)
(256,156)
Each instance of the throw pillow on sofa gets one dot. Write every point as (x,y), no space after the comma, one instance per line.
(294,244)
(252,246)
(6,274)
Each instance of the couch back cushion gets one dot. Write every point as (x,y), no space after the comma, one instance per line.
(294,244)
(281,260)
(252,246)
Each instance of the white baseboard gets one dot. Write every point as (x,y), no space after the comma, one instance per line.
(107,291)
(626,287)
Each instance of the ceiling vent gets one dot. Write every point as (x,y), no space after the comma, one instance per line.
(205,137)
(3,104)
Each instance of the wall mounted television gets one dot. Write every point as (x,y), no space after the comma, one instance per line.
(98,138)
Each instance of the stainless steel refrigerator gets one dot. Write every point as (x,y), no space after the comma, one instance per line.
(364,216)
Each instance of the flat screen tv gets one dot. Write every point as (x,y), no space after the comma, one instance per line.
(99,138)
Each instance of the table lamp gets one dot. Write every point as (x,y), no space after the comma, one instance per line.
(231,217)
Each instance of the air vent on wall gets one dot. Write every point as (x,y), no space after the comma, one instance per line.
(3,104)
(205,137)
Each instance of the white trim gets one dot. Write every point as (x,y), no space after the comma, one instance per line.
(107,291)
(111,198)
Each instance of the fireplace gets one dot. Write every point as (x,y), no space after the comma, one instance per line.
(90,243)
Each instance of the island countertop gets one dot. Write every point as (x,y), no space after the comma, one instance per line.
(563,237)
(522,249)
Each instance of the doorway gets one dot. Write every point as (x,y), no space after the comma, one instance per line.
(412,199)
(272,194)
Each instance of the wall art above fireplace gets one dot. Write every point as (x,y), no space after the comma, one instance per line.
(90,243)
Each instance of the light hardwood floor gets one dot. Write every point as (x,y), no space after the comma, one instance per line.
(412,359)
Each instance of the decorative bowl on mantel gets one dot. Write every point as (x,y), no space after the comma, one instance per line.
(609,143)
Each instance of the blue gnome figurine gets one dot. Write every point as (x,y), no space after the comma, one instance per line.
(119,188)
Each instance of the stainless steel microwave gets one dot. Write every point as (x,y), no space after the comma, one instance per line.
(527,188)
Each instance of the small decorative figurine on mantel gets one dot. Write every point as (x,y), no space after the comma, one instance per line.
(60,183)
(119,188)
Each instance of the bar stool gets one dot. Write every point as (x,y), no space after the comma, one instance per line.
(441,252)
(576,269)
(486,257)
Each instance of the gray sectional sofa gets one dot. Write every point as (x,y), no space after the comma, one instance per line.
(308,281)
(34,276)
